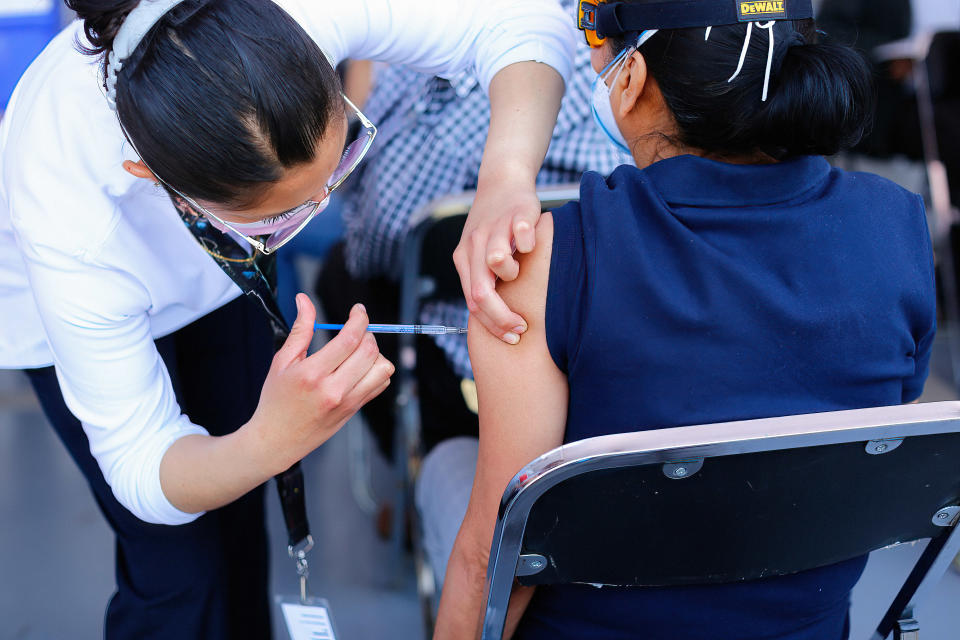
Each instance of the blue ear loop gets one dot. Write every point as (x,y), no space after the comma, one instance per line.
(596,115)
(603,97)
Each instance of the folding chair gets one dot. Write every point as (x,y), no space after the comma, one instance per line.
(737,501)
(428,275)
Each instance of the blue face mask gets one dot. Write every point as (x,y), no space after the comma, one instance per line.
(602,109)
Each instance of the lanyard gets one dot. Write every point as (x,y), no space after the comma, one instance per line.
(255,274)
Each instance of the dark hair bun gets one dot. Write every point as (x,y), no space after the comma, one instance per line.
(821,102)
(820,97)
(101,20)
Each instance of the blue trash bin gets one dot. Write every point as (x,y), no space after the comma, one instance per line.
(26,26)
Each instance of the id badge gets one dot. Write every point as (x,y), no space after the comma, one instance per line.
(308,619)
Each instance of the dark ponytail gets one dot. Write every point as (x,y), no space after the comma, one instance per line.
(821,104)
(101,20)
(221,96)
(820,96)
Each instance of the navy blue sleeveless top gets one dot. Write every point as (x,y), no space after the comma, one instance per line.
(697,291)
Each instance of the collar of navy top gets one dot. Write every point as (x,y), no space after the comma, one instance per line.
(695,181)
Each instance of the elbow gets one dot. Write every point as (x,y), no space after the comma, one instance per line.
(471,553)
(538,31)
(134,478)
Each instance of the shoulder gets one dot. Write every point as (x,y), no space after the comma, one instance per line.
(64,70)
(61,150)
(600,197)
(871,189)
(622,182)
(882,205)
(329,24)
(603,196)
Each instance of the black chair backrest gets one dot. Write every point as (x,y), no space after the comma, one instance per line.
(440,238)
(732,502)
(741,517)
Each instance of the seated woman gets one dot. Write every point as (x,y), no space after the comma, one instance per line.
(732,274)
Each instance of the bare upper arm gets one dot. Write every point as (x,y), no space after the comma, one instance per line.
(522,394)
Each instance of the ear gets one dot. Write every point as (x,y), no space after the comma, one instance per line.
(632,83)
(139,170)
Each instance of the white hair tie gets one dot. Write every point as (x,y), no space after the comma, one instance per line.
(743,54)
(134,28)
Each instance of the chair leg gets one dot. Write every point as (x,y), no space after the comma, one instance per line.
(907,629)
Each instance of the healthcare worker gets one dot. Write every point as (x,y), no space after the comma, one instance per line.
(152,160)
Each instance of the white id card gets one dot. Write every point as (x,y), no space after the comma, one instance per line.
(310,621)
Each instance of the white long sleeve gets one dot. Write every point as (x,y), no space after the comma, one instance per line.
(101,266)
(111,375)
(442,37)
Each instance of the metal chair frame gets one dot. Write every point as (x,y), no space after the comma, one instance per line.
(681,451)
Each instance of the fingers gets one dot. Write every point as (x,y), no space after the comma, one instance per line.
(519,235)
(524,232)
(496,252)
(486,252)
(295,346)
(373,383)
(479,288)
(461,260)
(355,366)
(362,376)
(490,309)
(343,345)
(376,392)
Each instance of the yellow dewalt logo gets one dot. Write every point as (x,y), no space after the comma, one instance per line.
(762,9)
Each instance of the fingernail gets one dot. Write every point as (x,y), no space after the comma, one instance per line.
(299,304)
(522,328)
(523,226)
(358,308)
(511,338)
(496,257)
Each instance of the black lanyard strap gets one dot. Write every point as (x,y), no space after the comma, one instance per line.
(255,274)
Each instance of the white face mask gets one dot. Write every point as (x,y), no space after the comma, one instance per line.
(602,109)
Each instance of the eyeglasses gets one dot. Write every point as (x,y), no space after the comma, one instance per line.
(587,22)
(286,225)
(292,222)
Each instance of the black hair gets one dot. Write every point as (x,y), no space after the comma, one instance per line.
(820,96)
(221,96)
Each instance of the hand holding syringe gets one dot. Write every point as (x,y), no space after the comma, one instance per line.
(425,329)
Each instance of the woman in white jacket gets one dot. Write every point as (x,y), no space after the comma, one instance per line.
(142,128)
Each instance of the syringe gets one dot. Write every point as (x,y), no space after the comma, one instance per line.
(426,329)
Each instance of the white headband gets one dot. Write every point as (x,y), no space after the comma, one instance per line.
(134,28)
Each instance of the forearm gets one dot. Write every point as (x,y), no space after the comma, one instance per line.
(201,473)
(464,595)
(461,604)
(524,102)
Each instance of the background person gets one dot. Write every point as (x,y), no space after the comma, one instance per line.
(158,364)
(732,275)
